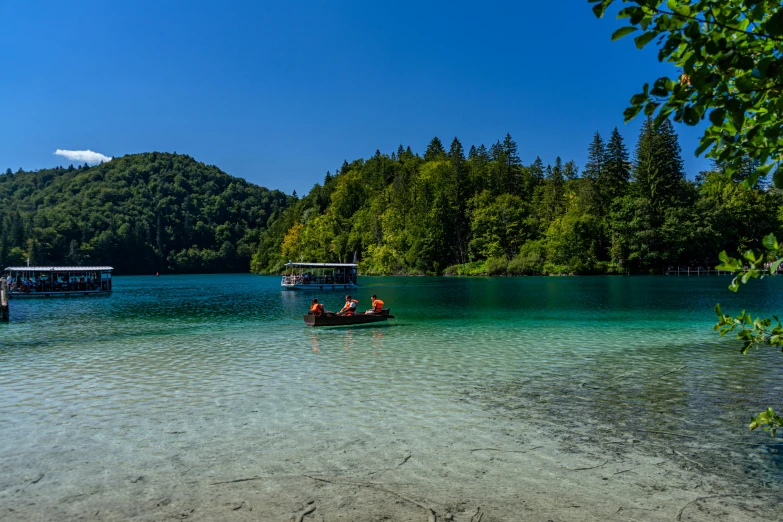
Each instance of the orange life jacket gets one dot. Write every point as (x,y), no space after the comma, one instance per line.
(348,309)
(378,305)
(317,309)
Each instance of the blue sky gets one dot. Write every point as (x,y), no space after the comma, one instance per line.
(279,93)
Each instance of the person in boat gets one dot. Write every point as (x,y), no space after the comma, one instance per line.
(350,306)
(316,308)
(377,305)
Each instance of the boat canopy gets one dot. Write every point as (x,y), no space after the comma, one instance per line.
(58,268)
(322,265)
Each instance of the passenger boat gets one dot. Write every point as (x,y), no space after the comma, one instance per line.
(58,281)
(319,276)
(332,319)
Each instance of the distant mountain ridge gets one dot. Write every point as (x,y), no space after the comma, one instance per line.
(141,213)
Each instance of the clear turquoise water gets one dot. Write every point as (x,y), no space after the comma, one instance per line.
(225,362)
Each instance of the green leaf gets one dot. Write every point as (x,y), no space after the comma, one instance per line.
(684,10)
(643,39)
(770,242)
(717,116)
(773,268)
(623,31)
(631,112)
(777,178)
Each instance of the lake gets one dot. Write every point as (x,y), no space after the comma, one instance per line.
(206,398)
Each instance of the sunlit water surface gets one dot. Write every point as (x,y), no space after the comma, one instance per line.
(227,359)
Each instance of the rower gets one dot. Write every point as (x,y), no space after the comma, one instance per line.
(350,306)
(316,308)
(377,305)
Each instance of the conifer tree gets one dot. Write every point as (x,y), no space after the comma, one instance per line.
(571,171)
(672,160)
(434,150)
(510,151)
(456,152)
(596,159)
(400,152)
(553,191)
(460,225)
(658,164)
(499,182)
(617,174)
(472,152)
(478,168)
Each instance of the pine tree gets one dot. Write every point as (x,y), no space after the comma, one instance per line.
(510,151)
(615,181)
(472,152)
(658,164)
(553,190)
(459,228)
(327,178)
(674,167)
(596,159)
(478,169)
(571,171)
(435,150)
(514,182)
(456,152)
(498,177)
(400,151)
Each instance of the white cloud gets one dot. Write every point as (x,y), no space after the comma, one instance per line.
(86,156)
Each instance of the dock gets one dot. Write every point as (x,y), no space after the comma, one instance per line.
(3,300)
(700,271)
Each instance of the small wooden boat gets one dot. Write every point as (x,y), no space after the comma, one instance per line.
(332,319)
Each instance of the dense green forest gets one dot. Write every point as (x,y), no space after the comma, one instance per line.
(141,213)
(480,212)
(485,212)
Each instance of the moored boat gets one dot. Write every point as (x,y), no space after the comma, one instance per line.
(58,281)
(319,276)
(332,319)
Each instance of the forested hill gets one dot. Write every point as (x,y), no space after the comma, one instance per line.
(141,213)
(486,212)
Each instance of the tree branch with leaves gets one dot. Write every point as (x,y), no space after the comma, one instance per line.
(729,54)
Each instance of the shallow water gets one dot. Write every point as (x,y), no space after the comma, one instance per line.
(211,372)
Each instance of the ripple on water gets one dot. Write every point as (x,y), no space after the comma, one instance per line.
(226,361)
